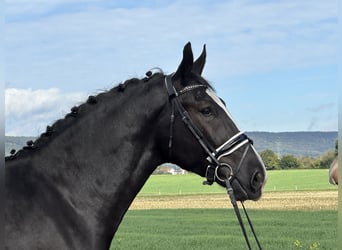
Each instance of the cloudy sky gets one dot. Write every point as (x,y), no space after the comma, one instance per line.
(273,62)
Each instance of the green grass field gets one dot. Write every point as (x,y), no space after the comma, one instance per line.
(279,180)
(218,229)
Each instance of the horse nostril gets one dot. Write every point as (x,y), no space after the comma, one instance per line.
(257,181)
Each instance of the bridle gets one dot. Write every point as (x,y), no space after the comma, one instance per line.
(214,154)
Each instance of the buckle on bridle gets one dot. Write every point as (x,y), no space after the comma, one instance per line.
(210,175)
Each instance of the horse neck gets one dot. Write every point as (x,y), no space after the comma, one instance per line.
(103,160)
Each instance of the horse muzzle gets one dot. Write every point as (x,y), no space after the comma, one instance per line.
(247,176)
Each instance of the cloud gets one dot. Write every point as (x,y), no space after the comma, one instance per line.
(27,111)
(84,45)
(242,36)
(27,8)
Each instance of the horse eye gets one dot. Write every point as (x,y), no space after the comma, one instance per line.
(206,111)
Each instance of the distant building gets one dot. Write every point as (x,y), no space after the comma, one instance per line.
(169,168)
(178,170)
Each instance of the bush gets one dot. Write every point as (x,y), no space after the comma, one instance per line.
(270,159)
(289,161)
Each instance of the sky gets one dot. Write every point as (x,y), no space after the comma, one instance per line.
(273,62)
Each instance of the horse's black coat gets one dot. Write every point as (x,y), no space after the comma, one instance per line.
(71,187)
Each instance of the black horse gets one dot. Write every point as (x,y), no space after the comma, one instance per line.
(71,187)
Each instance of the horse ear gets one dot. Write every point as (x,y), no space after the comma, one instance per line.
(200,62)
(186,65)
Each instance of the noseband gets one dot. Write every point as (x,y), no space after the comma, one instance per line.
(214,155)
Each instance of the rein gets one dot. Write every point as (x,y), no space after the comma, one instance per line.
(214,155)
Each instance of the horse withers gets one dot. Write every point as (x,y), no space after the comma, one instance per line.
(70,188)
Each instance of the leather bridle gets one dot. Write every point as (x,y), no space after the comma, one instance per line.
(214,154)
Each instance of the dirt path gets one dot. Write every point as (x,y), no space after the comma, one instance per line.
(300,200)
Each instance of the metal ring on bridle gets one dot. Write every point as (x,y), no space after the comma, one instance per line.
(223,165)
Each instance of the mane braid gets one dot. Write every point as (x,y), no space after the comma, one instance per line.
(69,119)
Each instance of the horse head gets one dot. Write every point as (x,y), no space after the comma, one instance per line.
(202,136)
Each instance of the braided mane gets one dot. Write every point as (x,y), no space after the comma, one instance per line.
(61,125)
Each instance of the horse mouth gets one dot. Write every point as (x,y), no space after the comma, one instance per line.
(253,192)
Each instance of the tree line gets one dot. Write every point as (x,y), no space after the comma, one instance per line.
(273,162)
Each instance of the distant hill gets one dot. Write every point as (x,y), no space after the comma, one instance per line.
(293,143)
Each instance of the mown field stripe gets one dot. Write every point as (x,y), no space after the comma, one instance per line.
(295,200)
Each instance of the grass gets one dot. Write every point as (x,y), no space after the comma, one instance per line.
(299,179)
(219,229)
(279,180)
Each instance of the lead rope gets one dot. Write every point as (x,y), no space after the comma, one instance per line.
(238,215)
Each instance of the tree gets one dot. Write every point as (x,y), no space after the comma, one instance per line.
(307,162)
(289,161)
(270,159)
(327,159)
